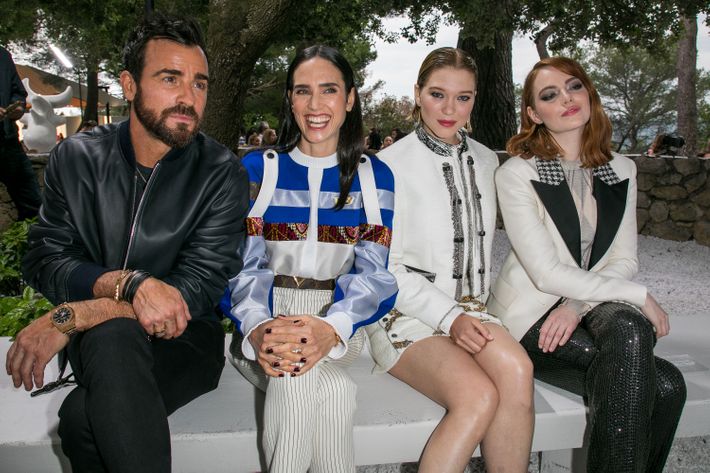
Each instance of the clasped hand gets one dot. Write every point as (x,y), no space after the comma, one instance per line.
(292,344)
(160,309)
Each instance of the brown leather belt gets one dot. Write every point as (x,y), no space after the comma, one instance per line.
(294,282)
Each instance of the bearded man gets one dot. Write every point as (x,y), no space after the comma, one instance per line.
(138,233)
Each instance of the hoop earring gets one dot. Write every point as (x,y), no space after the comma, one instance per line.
(469,128)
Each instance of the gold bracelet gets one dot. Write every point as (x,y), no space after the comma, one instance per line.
(117,292)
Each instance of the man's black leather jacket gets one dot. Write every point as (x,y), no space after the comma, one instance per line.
(186,229)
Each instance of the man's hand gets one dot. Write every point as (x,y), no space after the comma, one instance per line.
(557,328)
(33,348)
(657,316)
(2,113)
(469,333)
(160,309)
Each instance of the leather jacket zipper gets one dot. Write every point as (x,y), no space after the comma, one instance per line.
(134,224)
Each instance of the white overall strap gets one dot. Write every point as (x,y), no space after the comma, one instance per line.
(268,184)
(368,190)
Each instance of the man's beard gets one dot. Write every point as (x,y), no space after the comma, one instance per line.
(175,138)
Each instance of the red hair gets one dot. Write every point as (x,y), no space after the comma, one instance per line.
(536,140)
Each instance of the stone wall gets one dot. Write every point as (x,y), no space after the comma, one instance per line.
(674,198)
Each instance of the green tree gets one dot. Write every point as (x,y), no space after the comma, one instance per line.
(487,28)
(638,91)
(91,33)
(250,43)
(389,112)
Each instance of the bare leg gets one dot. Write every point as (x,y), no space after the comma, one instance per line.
(448,375)
(506,445)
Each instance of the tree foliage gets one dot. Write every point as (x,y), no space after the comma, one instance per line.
(388,112)
(638,92)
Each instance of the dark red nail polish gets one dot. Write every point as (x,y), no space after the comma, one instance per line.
(281,375)
(293,375)
(296,321)
(304,340)
(269,350)
(276,363)
(268,330)
(303,360)
(297,369)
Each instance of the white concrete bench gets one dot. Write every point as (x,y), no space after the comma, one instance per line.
(218,432)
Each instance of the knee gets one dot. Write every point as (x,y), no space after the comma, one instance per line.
(517,381)
(475,399)
(338,390)
(670,382)
(627,331)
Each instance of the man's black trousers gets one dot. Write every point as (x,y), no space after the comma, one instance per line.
(115,420)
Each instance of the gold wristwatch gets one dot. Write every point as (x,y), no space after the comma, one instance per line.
(64,319)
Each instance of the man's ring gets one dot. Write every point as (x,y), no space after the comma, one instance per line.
(296,350)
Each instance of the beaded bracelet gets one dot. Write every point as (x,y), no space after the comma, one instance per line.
(117,292)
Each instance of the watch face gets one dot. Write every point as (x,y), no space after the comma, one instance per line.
(62,315)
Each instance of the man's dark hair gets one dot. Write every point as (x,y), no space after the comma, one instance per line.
(159,26)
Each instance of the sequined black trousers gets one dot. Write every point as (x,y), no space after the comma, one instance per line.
(635,399)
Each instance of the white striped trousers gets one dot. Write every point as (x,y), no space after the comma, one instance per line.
(308,419)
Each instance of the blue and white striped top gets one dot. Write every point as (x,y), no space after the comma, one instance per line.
(293,230)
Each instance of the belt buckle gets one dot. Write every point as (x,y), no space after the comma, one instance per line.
(298,281)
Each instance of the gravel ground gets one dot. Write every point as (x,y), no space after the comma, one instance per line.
(676,273)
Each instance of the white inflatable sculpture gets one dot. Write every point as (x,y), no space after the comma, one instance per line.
(40,133)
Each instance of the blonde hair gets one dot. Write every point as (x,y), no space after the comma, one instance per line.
(438,59)
(536,140)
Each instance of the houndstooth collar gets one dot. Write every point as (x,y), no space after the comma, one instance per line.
(550,172)
(441,147)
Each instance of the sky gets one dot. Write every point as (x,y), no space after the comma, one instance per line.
(397,64)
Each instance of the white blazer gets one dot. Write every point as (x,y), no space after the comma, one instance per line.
(543,227)
(421,254)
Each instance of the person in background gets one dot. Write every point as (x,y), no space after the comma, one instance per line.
(440,339)
(397,134)
(314,267)
(269,137)
(15,167)
(375,139)
(565,289)
(387,141)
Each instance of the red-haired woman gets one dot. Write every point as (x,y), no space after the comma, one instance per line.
(565,291)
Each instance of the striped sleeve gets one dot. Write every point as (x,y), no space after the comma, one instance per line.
(248,300)
(368,291)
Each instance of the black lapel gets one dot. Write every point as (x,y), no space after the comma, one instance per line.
(611,204)
(558,202)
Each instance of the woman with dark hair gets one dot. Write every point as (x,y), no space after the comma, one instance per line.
(565,290)
(314,267)
(439,338)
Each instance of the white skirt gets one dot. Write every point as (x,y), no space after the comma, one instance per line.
(395,332)
(291,301)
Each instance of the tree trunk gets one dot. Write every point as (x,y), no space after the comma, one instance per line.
(541,41)
(493,116)
(239,33)
(687,104)
(92,92)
